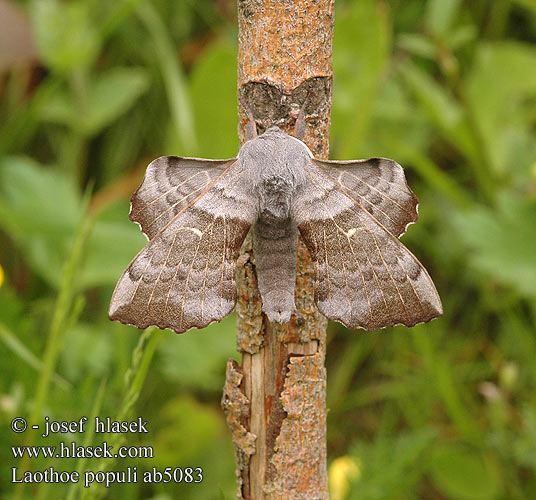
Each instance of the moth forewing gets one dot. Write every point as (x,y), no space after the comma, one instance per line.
(172,184)
(378,186)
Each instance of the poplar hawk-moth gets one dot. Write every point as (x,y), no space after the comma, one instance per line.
(197,212)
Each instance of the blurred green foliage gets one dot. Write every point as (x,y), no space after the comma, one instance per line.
(445,410)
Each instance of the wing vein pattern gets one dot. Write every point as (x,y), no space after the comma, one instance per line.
(184,277)
(372,281)
(340,229)
(380,185)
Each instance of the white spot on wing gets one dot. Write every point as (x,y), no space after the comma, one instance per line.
(194,230)
(410,222)
(138,224)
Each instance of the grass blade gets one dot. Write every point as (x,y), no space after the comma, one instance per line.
(18,348)
(60,317)
(82,462)
(173,75)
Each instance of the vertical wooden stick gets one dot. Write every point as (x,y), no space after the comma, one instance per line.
(275,404)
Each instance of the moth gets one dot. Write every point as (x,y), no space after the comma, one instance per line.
(197,212)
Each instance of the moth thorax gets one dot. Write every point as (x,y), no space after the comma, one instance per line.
(275,194)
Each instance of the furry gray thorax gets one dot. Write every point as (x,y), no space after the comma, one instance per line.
(276,172)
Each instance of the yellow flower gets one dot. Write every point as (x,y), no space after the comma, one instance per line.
(1,275)
(341,472)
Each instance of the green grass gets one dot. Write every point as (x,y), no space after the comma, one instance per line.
(445,410)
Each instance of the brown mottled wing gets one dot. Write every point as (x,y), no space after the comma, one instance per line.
(364,276)
(379,186)
(184,277)
(170,184)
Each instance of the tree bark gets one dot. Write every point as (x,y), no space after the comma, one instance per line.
(276,402)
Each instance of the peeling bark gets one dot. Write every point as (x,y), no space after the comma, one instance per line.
(236,408)
(249,333)
(300,449)
(284,57)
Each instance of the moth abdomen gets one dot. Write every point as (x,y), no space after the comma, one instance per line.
(275,249)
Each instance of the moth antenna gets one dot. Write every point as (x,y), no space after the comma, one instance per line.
(251,126)
(299,130)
